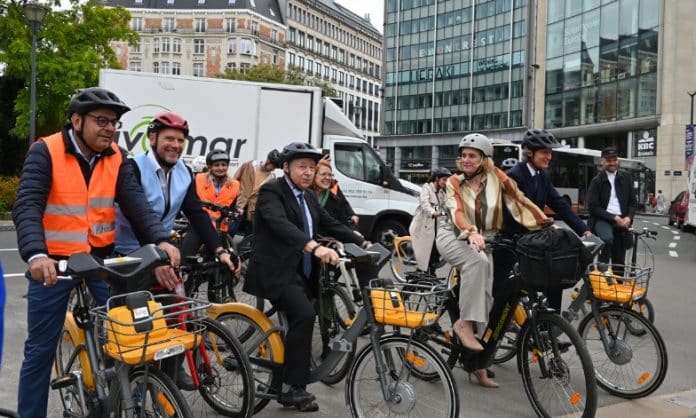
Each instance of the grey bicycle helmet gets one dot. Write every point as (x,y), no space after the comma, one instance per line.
(275,158)
(477,141)
(297,150)
(92,98)
(440,172)
(536,139)
(217,155)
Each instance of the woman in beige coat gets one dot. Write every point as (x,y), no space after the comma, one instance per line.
(423,225)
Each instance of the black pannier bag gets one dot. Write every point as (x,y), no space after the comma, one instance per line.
(551,257)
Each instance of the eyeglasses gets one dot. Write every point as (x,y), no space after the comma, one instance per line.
(102,121)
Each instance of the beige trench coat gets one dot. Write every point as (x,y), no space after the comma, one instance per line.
(422,228)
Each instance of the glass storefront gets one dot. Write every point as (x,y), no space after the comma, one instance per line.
(601,61)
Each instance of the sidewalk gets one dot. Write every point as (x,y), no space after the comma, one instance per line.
(674,405)
(7,226)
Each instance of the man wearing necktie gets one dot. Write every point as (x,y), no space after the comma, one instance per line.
(533,180)
(287,216)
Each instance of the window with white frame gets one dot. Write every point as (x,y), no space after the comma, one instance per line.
(231,24)
(200,25)
(198,69)
(231,66)
(198,46)
(164,67)
(274,35)
(246,46)
(136,47)
(155,45)
(255,28)
(135,66)
(166,43)
(176,68)
(232,45)
(155,67)
(310,66)
(137,24)
(291,59)
(176,45)
(168,24)
(317,70)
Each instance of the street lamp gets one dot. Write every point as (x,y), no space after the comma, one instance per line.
(34,14)
(692,94)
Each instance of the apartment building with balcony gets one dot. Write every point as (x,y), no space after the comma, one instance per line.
(332,43)
(202,37)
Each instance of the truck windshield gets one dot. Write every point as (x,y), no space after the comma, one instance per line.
(357,161)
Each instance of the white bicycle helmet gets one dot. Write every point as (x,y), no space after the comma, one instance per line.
(477,141)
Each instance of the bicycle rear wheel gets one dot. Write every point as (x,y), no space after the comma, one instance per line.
(226,379)
(556,368)
(156,397)
(409,395)
(260,353)
(635,364)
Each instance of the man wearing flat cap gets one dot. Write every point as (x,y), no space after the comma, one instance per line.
(611,202)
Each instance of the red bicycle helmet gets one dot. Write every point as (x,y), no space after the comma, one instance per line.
(168,120)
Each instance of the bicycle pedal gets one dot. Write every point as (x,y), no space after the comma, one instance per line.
(342,345)
(62,382)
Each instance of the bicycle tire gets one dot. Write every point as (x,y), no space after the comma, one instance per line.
(571,380)
(363,391)
(169,401)
(644,307)
(339,314)
(228,385)
(67,361)
(404,264)
(633,369)
(259,352)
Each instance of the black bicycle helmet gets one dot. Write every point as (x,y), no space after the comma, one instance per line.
(92,98)
(275,158)
(536,139)
(440,172)
(217,155)
(297,150)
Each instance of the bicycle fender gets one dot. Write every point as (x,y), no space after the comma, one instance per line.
(256,316)
(77,338)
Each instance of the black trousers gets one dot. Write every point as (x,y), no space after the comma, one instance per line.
(296,303)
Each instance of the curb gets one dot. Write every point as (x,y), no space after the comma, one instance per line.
(7,226)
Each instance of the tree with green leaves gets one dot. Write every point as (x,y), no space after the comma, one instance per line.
(72,46)
(267,73)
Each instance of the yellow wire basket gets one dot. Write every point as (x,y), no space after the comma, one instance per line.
(626,288)
(166,326)
(407,305)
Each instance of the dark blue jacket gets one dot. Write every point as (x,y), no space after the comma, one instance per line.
(540,190)
(35,185)
(599,192)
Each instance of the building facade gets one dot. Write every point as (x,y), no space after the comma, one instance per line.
(331,43)
(616,74)
(202,37)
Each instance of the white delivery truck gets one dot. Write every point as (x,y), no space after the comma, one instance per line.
(249,119)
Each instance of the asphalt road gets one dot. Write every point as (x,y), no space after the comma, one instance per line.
(672,291)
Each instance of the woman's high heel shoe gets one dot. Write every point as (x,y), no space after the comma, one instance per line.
(468,342)
(483,379)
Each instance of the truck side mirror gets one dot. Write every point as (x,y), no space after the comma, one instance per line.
(384,176)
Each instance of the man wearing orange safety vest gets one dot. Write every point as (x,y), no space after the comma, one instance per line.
(69,185)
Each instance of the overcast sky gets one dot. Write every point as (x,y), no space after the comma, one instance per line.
(374,7)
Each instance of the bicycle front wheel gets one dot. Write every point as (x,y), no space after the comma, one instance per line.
(66,362)
(408,394)
(156,397)
(556,368)
(224,374)
(633,365)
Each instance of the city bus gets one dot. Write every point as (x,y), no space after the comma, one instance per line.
(572,169)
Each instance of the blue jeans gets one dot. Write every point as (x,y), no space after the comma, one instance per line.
(46,307)
(614,244)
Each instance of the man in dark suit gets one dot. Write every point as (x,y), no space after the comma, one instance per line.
(287,216)
(533,180)
(612,203)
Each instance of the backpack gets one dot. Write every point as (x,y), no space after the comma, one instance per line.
(551,257)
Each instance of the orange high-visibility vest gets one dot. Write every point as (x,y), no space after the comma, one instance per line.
(78,218)
(206,192)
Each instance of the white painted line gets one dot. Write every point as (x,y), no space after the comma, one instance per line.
(664,227)
(14,275)
(675,231)
(9,249)
(672,245)
(676,237)
(673,254)
(656,224)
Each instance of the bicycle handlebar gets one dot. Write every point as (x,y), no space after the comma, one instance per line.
(226,211)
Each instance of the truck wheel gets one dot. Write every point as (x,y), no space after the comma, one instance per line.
(385,232)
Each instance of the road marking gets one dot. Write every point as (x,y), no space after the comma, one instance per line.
(664,227)
(672,245)
(675,232)
(656,224)
(673,254)
(677,237)
(14,275)
(9,249)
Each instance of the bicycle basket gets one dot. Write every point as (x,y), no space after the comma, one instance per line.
(610,287)
(407,305)
(151,331)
